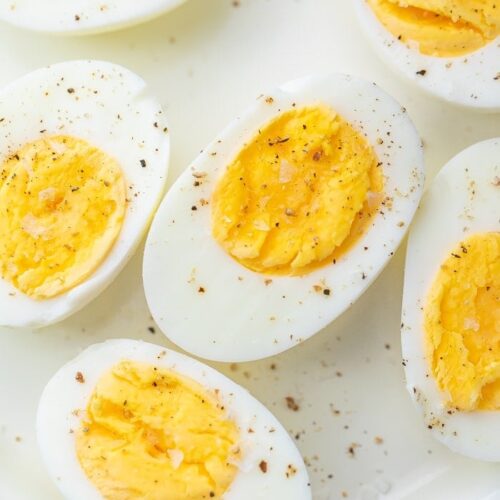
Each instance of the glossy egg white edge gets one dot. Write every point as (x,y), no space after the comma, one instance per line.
(239,318)
(112,108)
(81,17)
(470,80)
(462,200)
(269,441)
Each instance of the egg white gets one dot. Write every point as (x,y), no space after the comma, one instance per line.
(269,441)
(239,317)
(81,17)
(111,108)
(467,80)
(461,201)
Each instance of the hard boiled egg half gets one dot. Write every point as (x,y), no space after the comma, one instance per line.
(448,48)
(81,17)
(84,154)
(451,305)
(284,220)
(128,419)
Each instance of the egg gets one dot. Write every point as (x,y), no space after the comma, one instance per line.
(84,153)
(284,219)
(81,17)
(451,304)
(449,49)
(129,419)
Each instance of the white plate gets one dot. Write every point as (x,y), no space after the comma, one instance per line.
(207,60)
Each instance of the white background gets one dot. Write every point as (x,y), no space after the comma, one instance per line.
(207,61)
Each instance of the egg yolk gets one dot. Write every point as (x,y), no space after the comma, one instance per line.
(462,324)
(298,195)
(441,28)
(153,434)
(62,205)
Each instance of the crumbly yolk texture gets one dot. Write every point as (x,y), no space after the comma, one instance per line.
(298,195)
(62,205)
(441,28)
(153,434)
(462,324)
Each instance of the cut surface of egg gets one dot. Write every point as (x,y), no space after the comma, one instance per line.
(127,419)
(84,154)
(450,49)
(284,220)
(81,16)
(451,304)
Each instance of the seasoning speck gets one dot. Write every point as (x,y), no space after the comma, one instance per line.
(352,449)
(79,377)
(263,466)
(292,404)
(290,470)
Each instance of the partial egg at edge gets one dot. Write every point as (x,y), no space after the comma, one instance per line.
(81,17)
(112,109)
(263,439)
(463,200)
(469,81)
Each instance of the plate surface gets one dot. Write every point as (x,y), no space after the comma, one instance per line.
(356,426)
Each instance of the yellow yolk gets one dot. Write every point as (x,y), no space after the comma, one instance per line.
(152,434)
(62,205)
(298,195)
(442,28)
(462,324)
